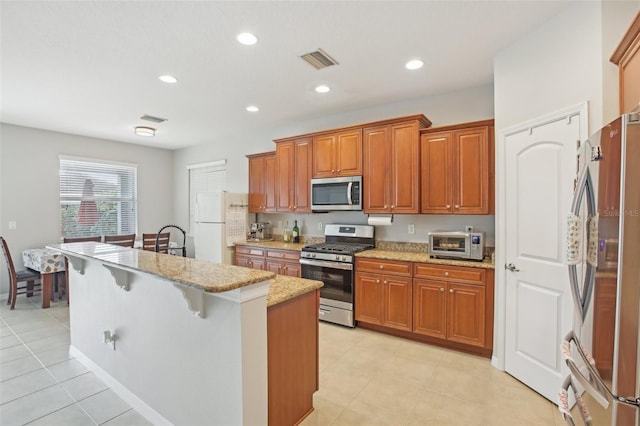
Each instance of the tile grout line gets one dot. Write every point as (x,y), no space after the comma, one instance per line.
(57,382)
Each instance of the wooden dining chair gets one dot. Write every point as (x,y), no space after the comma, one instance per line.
(149,242)
(96,238)
(121,240)
(16,277)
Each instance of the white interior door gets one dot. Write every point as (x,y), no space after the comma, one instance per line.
(539,172)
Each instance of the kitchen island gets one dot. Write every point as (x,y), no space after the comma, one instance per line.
(191,342)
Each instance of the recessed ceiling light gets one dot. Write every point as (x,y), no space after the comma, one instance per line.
(145,131)
(414,64)
(323,88)
(247,39)
(253,108)
(168,79)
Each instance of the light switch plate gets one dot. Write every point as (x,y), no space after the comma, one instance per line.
(12,224)
(411,229)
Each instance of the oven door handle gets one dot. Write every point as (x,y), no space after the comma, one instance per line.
(326,264)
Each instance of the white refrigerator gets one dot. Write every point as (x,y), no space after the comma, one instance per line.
(220,220)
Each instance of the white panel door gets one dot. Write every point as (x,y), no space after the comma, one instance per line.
(540,168)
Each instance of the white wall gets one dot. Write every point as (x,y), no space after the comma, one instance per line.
(562,63)
(29,184)
(465,105)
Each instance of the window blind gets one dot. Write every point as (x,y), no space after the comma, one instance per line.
(205,177)
(97,198)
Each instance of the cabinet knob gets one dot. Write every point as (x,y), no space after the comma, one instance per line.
(339,170)
(385,206)
(392,206)
(377,281)
(441,288)
(457,206)
(333,171)
(446,274)
(385,281)
(381,266)
(450,290)
(295,207)
(448,206)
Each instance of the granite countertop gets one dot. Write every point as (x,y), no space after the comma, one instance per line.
(423,257)
(283,288)
(210,277)
(276,244)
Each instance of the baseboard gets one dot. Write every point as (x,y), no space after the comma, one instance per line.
(127,396)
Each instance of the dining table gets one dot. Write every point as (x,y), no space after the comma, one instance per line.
(48,262)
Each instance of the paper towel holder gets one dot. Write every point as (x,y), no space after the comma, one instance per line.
(380,220)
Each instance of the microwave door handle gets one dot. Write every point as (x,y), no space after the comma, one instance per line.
(349,189)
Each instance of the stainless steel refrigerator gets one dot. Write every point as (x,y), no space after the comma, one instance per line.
(603,253)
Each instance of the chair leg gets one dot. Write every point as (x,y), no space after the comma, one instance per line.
(10,292)
(14,294)
(30,288)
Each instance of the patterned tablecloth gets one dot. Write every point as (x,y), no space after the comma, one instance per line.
(45,261)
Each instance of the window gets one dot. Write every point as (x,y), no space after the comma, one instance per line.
(97,197)
(206,177)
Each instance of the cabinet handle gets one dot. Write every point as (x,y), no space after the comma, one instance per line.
(450,290)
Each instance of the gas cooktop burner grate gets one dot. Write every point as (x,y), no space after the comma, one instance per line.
(338,248)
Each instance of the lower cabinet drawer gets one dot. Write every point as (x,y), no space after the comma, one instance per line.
(470,275)
(384,266)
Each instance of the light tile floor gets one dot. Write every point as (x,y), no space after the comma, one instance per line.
(366,378)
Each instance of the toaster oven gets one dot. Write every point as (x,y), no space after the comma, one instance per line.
(456,245)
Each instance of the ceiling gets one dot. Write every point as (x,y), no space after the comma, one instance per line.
(91,68)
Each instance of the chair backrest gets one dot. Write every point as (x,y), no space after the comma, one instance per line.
(97,239)
(7,258)
(149,242)
(121,240)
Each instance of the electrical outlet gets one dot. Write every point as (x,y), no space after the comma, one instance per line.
(12,224)
(468,228)
(320,226)
(411,229)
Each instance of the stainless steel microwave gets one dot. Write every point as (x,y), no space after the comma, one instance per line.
(340,193)
(457,245)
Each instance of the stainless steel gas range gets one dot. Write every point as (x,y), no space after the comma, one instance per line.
(332,262)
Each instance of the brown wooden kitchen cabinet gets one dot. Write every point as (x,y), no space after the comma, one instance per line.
(293,175)
(383,293)
(262,182)
(627,57)
(450,303)
(284,262)
(456,169)
(337,154)
(391,166)
(250,257)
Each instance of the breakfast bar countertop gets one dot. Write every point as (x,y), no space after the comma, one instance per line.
(210,277)
(283,288)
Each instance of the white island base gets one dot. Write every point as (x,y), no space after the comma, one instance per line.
(201,361)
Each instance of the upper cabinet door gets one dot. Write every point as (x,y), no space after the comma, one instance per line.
(435,152)
(302,179)
(256,185)
(471,171)
(349,153)
(324,156)
(285,176)
(375,182)
(404,179)
(270,176)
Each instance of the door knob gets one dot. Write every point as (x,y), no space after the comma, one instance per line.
(511,267)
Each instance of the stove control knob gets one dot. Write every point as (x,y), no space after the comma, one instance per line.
(313,255)
(337,257)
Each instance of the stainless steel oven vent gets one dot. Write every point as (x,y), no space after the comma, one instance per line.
(152,118)
(319,59)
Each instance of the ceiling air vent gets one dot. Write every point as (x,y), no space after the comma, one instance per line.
(152,118)
(319,59)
